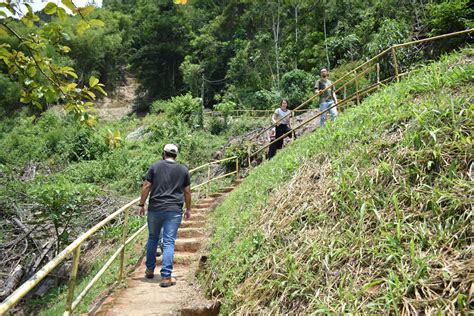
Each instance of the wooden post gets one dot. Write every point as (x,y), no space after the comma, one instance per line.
(249,152)
(201,115)
(292,120)
(395,63)
(357,87)
(345,91)
(72,280)
(124,239)
(208,180)
(237,167)
(378,72)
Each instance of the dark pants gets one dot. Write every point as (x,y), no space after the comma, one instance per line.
(280,130)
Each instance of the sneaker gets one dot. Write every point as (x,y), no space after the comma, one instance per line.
(167,282)
(149,274)
(159,250)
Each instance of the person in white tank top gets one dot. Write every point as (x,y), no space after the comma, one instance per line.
(281,118)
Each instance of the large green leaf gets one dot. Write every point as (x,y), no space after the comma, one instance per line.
(95,22)
(70,5)
(81,27)
(50,8)
(85,11)
(93,81)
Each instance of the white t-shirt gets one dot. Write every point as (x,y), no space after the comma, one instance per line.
(280,113)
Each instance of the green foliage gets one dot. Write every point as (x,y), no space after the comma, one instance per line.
(86,144)
(113,139)
(297,86)
(167,129)
(192,75)
(183,108)
(60,203)
(246,124)
(265,99)
(404,150)
(42,79)
(9,95)
(217,125)
(159,106)
(225,109)
(449,16)
(391,32)
(240,151)
(104,51)
(160,38)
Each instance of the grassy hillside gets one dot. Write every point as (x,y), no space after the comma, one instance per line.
(367,215)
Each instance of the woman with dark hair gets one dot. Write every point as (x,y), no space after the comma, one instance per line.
(281,118)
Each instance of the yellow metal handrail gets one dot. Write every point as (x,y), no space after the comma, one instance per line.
(75,249)
(20,292)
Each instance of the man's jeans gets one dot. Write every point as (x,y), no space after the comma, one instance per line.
(324,106)
(170,221)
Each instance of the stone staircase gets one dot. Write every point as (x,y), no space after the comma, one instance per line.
(145,297)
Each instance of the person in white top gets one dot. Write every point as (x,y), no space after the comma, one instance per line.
(281,118)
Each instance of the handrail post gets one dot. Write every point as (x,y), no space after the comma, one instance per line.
(395,63)
(345,92)
(208,180)
(292,120)
(249,152)
(237,167)
(378,72)
(124,239)
(72,280)
(356,81)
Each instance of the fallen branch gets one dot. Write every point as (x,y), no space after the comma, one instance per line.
(12,282)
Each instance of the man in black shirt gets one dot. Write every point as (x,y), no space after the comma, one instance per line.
(168,185)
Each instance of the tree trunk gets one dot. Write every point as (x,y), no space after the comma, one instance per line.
(325,42)
(296,37)
(276,39)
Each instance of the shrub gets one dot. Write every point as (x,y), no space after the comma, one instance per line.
(60,203)
(185,108)
(449,16)
(241,126)
(9,95)
(297,86)
(217,125)
(86,144)
(159,106)
(265,99)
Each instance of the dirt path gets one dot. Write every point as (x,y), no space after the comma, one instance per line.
(120,103)
(145,297)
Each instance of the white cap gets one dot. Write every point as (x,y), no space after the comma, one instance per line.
(172,149)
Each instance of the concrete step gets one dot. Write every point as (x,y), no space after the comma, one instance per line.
(187,244)
(197,216)
(200,208)
(186,223)
(184,258)
(227,189)
(216,195)
(190,232)
(202,205)
(207,200)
